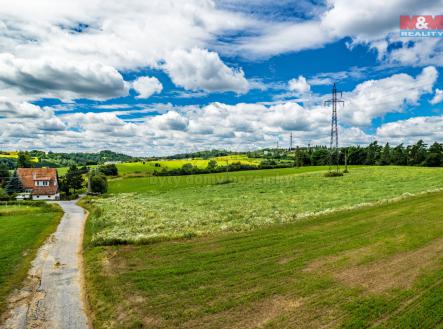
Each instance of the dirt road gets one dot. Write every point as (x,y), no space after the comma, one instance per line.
(52,294)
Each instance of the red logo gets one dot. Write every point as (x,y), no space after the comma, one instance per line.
(423,22)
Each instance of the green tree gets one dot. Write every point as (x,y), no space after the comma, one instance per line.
(212,164)
(373,153)
(63,185)
(435,156)
(320,157)
(417,153)
(24,160)
(109,170)
(399,156)
(98,183)
(74,178)
(385,158)
(14,185)
(187,168)
(4,174)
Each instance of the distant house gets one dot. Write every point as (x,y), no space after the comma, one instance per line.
(39,183)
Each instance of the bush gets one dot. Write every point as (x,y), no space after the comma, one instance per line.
(109,170)
(68,197)
(98,183)
(333,174)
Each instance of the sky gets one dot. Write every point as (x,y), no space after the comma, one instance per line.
(159,77)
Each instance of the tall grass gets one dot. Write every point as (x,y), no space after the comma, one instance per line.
(242,205)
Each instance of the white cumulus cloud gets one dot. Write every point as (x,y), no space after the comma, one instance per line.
(299,85)
(200,69)
(438,97)
(147,86)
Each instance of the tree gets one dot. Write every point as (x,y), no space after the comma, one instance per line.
(399,156)
(4,175)
(74,178)
(320,157)
(373,153)
(109,170)
(417,153)
(435,156)
(385,158)
(187,168)
(433,160)
(24,160)
(63,185)
(98,183)
(14,185)
(212,164)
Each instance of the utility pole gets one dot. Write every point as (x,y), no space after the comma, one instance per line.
(290,142)
(333,146)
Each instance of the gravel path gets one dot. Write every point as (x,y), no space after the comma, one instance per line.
(52,295)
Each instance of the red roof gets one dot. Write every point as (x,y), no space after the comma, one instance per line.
(29,176)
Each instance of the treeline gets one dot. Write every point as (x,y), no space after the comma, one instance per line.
(212,167)
(55,160)
(200,154)
(418,154)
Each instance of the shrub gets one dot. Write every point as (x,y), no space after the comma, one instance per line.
(109,170)
(98,183)
(333,174)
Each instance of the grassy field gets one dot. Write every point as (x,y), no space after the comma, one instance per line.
(23,229)
(379,266)
(153,183)
(182,207)
(148,167)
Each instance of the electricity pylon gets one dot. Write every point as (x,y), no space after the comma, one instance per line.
(333,146)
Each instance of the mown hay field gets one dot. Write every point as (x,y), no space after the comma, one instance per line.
(376,266)
(205,204)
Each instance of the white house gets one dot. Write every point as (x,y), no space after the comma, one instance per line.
(39,183)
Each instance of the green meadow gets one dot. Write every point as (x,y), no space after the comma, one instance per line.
(290,250)
(179,207)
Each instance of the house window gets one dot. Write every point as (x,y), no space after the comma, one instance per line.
(42,183)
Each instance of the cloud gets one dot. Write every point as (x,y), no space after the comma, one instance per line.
(374,98)
(299,85)
(200,69)
(22,110)
(39,78)
(366,22)
(438,97)
(420,52)
(430,129)
(170,121)
(147,86)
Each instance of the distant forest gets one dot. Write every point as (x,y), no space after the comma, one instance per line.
(55,160)
(418,154)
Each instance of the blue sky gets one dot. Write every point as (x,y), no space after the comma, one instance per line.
(162,77)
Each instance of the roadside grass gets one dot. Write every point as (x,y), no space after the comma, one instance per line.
(199,206)
(23,229)
(379,266)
